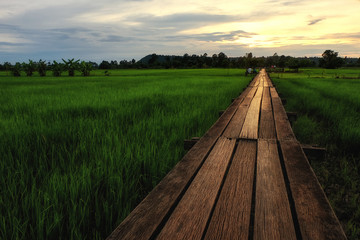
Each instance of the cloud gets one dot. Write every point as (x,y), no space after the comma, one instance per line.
(116,38)
(212,37)
(343,35)
(121,29)
(182,21)
(287,2)
(11,44)
(313,22)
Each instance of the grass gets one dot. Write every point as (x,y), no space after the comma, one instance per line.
(78,154)
(328,105)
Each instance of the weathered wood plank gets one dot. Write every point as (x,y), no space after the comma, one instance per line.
(231,217)
(273,219)
(189,219)
(274,93)
(261,79)
(267,82)
(251,124)
(282,124)
(234,128)
(144,220)
(254,82)
(313,152)
(267,124)
(314,213)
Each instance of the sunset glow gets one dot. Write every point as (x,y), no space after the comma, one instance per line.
(134,28)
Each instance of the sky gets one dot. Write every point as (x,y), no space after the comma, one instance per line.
(127,29)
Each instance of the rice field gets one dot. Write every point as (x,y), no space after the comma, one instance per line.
(328,107)
(79,153)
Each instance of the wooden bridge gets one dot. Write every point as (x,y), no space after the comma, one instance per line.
(246,178)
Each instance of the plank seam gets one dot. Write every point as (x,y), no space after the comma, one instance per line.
(289,195)
(171,210)
(253,199)
(220,189)
(236,110)
(259,119)
(247,112)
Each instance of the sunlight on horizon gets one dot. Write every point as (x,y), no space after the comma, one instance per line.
(136,28)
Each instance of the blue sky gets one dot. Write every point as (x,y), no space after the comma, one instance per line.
(126,29)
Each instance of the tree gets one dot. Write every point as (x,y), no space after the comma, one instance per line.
(41,66)
(85,68)
(223,60)
(250,61)
(16,70)
(104,65)
(7,67)
(57,68)
(153,61)
(282,61)
(293,63)
(29,68)
(330,60)
(71,65)
(214,61)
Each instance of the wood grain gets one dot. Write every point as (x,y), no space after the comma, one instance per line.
(315,215)
(235,125)
(282,124)
(251,124)
(231,217)
(188,221)
(273,219)
(267,124)
(267,82)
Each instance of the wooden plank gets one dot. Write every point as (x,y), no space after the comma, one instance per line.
(235,125)
(252,92)
(314,213)
(231,217)
(282,124)
(313,152)
(255,82)
(189,219)
(261,78)
(273,219)
(251,124)
(274,93)
(145,219)
(267,82)
(267,124)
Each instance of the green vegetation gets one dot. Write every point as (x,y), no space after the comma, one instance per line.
(78,153)
(328,105)
(331,60)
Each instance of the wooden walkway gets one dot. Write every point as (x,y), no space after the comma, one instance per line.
(246,178)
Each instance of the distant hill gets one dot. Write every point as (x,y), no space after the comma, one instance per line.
(151,58)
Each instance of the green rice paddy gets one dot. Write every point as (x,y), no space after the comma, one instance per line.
(79,153)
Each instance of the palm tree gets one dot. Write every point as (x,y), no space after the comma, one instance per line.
(57,68)
(42,68)
(85,68)
(16,70)
(29,68)
(71,65)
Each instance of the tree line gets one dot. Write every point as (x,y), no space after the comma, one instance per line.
(57,68)
(330,59)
